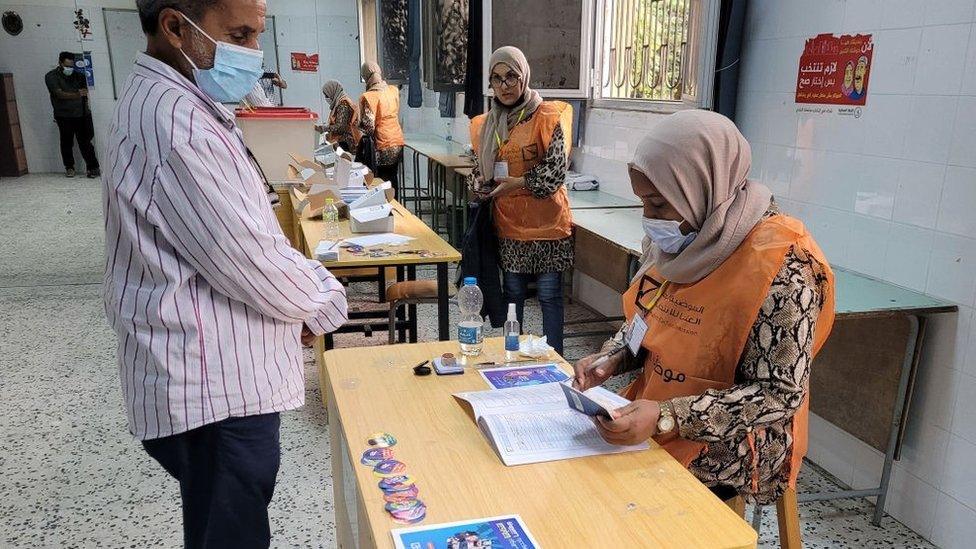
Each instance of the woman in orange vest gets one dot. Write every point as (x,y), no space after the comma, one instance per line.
(379,120)
(343,126)
(523,146)
(733,302)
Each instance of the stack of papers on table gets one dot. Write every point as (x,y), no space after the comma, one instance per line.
(535,424)
(391,239)
(327,250)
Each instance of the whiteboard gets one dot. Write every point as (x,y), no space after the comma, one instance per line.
(126,40)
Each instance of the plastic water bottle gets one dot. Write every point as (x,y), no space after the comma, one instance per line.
(471,326)
(512,332)
(331,217)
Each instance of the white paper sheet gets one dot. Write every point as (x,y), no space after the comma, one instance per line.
(377,239)
(535,424)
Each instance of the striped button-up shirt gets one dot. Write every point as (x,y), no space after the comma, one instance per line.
(206,295)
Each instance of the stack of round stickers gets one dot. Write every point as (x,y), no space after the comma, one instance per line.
(399,490)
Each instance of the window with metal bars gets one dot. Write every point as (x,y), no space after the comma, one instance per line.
(649,51)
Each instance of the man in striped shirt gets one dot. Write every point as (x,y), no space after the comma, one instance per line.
(208,299)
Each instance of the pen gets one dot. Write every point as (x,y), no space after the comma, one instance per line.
(603,359)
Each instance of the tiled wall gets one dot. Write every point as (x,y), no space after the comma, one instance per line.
(329,27)
(892,195)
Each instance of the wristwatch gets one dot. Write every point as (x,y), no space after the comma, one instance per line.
(665,421)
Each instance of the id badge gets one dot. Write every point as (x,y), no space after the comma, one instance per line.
(635,334)
(501,169)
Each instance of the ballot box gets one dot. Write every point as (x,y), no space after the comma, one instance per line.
(273,132)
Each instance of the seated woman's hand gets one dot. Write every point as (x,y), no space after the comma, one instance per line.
(507,185)
(590,373)
(632,424)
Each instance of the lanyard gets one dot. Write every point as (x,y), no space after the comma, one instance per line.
(498,138)
(641,292)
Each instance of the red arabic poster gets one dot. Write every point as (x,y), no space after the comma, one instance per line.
(304,62)
(834,70)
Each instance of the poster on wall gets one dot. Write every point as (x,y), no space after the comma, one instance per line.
(83,24)
(835,70)
(303,62)
(85,65)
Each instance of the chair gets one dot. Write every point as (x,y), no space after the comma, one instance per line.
(411,292)
(787,515)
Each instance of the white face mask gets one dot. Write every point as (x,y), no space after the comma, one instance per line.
(666,234)
(68,71)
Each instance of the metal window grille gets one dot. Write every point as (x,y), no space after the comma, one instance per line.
(648,49)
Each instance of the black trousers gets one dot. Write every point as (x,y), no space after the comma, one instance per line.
(391,174)
(227,473)
(83,130)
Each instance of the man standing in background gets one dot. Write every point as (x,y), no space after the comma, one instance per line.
(69,97)
(208,299)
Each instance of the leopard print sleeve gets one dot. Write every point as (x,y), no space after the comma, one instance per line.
(547,176)
(773,373)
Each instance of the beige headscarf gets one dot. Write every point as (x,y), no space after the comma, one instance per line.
(333,92)
(529,102)
(699,162)
(373,76)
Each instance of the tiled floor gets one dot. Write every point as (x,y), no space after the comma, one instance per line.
(70,474)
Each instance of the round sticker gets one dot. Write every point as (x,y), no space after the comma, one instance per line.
(381,440)
(402,496)
(389,468)
(373,456)
(412,515)
(403,505)
(396,484)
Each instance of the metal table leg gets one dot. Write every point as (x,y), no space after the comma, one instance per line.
(916,329)
(412,308)
(443,310)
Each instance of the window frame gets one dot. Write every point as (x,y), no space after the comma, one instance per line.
(703,34)
(584,91)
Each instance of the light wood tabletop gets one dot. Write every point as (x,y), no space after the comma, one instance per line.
(405,223)
(639,499)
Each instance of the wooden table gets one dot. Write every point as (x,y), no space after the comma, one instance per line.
(640,499)
(406,224)
(877,337)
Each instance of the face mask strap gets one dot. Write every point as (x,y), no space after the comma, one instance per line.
(203,32)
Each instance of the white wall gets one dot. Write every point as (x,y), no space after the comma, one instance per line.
(329,27)
(891,195)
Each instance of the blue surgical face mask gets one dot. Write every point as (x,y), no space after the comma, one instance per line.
(68,71)
(235,71)
(666,234)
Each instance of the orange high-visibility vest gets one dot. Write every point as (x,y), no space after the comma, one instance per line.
(697,332)
(357,134)
(385,106)
(520,215)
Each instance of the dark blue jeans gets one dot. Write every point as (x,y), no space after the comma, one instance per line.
(227,473)
(550,291)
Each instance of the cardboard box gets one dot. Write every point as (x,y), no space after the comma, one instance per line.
(371,213)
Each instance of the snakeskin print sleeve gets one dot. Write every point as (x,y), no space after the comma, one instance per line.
(343,118)
(367,119)
(773,373)
(547,176)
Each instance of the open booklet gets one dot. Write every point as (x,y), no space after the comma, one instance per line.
(535,424)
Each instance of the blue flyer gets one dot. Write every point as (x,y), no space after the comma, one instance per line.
(522,376)
(507,532)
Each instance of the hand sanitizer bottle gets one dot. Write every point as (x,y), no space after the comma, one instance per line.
(512,332)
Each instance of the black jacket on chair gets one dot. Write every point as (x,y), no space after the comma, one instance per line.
(479,258)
